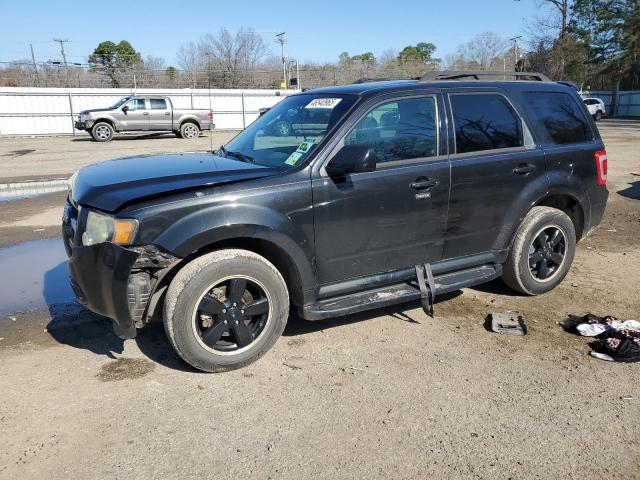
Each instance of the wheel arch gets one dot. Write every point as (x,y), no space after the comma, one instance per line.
(189,120)
(105,120)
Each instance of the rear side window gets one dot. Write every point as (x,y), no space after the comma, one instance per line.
(485,122)
(561,116)
(158,104)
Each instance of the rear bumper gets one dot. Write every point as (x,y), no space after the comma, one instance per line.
(100,278)
(598,202)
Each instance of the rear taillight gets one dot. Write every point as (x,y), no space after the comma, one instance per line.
(601,166)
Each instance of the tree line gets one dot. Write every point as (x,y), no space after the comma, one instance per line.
(594,43)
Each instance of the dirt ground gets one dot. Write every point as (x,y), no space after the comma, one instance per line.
(384,394)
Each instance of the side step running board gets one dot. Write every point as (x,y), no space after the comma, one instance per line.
(399,293)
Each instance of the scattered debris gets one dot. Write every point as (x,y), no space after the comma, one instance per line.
(506,323)
(200,387)
(617,341)
(627,397)
(291,366)
(635,174)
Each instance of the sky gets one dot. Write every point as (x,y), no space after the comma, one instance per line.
(316,31)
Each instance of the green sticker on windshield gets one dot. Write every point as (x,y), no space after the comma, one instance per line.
(300,152)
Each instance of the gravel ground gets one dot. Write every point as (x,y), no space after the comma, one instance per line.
(385,394)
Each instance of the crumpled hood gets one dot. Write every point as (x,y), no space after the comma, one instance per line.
(110,185)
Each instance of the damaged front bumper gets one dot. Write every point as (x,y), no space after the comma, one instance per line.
(115,281)
(100,279)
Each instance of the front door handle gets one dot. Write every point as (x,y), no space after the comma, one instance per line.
(422,183)
(145,113)
(167,113)
(524,168)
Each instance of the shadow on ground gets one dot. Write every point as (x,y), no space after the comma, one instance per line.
(633,191)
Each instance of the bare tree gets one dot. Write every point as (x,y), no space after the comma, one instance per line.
(231,57)
(484,51)
(189,59)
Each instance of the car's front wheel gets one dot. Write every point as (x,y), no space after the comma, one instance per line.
(542,251)
(102,132)
(598,116)
(225,309)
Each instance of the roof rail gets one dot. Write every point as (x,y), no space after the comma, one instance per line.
(388,79)
(483,75)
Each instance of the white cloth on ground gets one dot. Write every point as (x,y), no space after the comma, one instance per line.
(595,329)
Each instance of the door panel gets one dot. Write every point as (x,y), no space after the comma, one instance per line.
(394,217)
(494,169)
(159,114)
(136,117)
(483,188)
(374,222)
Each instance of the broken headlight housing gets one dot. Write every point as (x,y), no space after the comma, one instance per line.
(101,227)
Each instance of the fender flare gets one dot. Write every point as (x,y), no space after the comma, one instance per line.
(204,229)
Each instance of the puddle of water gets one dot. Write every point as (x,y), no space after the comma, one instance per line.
(18,191)
(34,275)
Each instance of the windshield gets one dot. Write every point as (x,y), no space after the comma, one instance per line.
(287,134)
(119,103)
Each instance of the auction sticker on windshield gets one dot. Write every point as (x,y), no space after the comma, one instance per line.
(300,152)
(323,103)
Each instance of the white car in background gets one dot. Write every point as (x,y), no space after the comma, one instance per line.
(596,107)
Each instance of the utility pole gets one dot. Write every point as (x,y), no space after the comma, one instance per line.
(282,41)
(33,60)
(515,47)
(64,56)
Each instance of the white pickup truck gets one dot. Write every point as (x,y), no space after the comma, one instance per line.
(143,113)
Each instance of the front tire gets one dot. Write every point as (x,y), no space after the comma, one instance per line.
(225,309)
(542,252)
(189,130)
(598,116)
(102,132)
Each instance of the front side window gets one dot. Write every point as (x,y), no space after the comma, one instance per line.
(288,133)
(485,122)
(136,104)
(561,116)
(158,104)
(399,130)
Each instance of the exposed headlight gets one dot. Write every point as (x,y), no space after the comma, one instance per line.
(84,117)
(105,228)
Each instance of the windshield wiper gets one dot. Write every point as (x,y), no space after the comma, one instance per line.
(239,155)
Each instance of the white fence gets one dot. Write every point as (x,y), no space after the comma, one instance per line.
(628,102)
(52,111)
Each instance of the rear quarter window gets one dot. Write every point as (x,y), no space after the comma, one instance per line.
(560,115)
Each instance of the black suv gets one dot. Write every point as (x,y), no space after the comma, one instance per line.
(376,193)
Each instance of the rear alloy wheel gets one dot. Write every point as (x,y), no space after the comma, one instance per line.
(102,132)
(225,309)
(542,251)
(189,131)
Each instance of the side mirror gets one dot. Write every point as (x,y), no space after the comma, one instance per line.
(125,108)
(352,159)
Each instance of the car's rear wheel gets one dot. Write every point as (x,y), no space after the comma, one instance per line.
(542,252)
(102,132)
(225,309)
(598,116)
(189,131)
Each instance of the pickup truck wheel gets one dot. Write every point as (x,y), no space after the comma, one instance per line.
(189,130)
(542,251)
(102,132)
(598,116)
(225,309)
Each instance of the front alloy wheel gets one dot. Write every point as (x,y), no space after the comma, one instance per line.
(231,315)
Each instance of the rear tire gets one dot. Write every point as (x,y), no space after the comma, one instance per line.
(542,252)
(598,116)
(204,312)
(189,130)
(102,132)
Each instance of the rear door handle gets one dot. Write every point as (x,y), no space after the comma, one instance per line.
(422,183)
(145,113)
(524,168)
(167,113)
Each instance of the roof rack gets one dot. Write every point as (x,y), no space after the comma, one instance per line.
(483,75)
(369,80)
